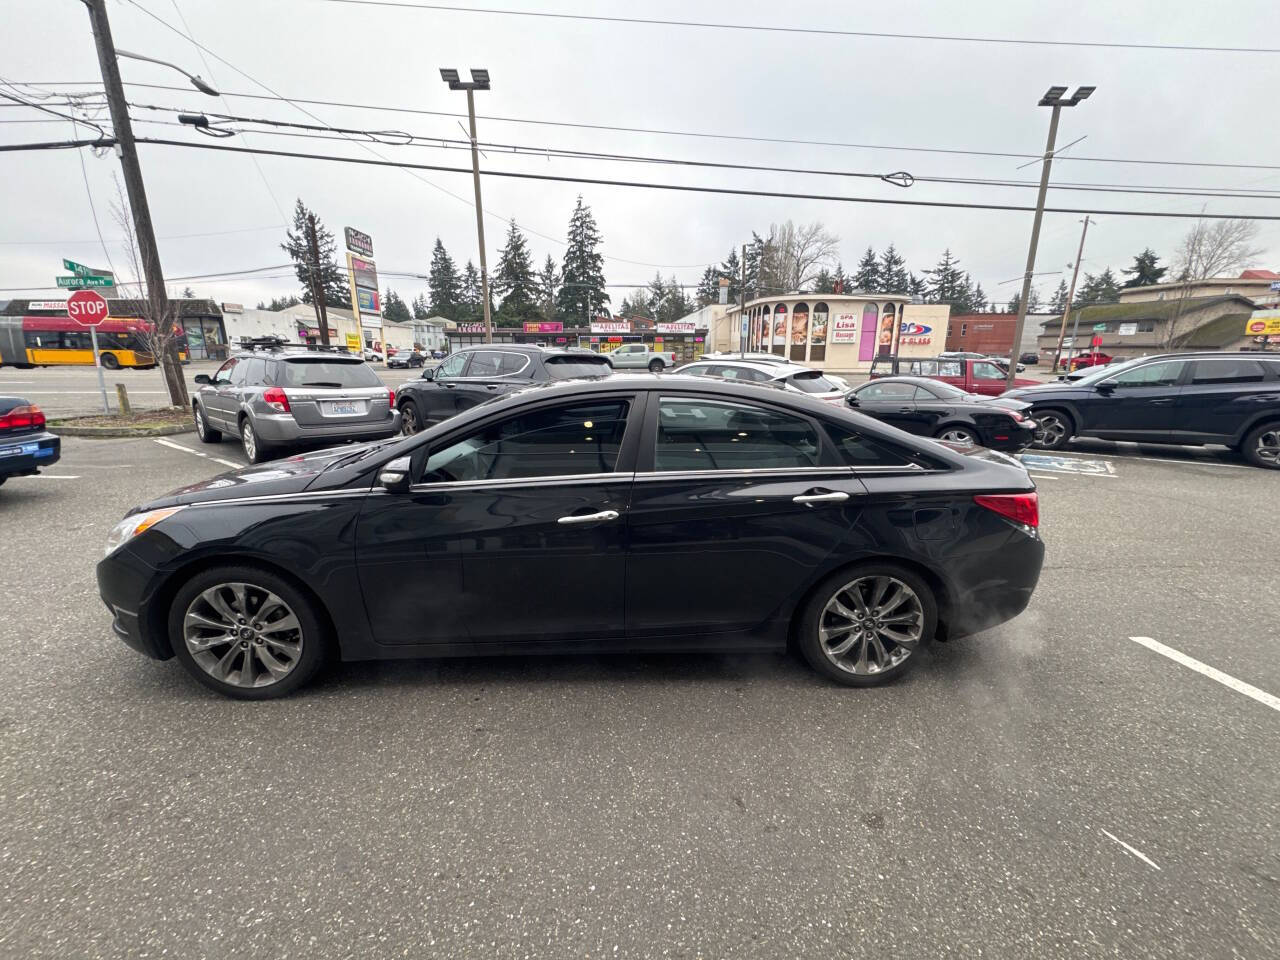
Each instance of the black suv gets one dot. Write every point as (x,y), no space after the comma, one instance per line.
(1185,398)
(473,375)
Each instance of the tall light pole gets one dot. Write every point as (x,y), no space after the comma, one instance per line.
(1071,295)
(479,81)
(1053,98)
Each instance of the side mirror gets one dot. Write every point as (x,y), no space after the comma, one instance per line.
(851,400)
(428,374)
(1106,386)
(203,378)
(394,476)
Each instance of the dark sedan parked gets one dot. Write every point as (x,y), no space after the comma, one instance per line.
(472,375)
(1186,398)
(931,408)
(25,444)
(694,515)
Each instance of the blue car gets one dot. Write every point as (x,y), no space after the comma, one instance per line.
(25,445)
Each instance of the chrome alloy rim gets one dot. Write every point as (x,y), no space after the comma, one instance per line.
(1268,449)
(199,422)
(409,420)
(250,441)
(958,436)
(243,635)
(1050,429)
(871,625)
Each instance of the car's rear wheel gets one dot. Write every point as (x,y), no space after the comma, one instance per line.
(955,434)
(1053,429)
(247,633)
(864,625)
(410,421)
(205,432)
(656,366)
(254,448)
(1261,446)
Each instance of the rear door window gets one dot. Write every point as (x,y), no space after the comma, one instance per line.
(860,450)
(322,372)
(485,363)
(1228,370)
(254,371)
(512,363)
(700,434)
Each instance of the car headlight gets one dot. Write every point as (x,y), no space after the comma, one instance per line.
(134,524)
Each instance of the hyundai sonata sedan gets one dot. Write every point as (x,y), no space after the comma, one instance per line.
(629,513)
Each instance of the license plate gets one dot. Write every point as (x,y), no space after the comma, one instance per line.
(19,450)
(343,408)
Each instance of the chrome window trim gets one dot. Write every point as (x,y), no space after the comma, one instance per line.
(281,497)
(523,481)
(496,376)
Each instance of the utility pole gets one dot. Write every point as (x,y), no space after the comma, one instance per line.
(1052,98)
(158,300)
(475,176)
(317,285)
(744,328)
(1071,295)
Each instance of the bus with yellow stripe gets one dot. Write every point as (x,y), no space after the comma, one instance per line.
(60,341)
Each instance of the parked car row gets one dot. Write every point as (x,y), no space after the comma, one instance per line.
(25,444)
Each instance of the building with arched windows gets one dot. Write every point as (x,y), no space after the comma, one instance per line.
(837,332)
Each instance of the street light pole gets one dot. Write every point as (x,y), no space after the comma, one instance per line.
(1071,295)
(160,308)
(479,81)
(1052,98)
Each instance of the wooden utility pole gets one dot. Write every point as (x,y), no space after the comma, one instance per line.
(317,285)
(1071,295)
(161,310)
(475,176)
(744,328)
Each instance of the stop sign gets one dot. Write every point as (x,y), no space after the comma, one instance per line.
(87,307)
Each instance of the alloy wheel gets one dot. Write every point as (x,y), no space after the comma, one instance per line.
(199,422)
(958,435)
(409,419)
(1268,447)
(871,625)
(242,635)
(1051,431)
(250,442)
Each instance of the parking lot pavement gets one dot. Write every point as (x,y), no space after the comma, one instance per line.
(1052,788)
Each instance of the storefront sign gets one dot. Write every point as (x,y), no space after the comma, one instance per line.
(368,301)
(845,328)
(610,326)
(471,328)
(47,305)
(1128,329)
(676,327)
(1263,323)
(358,241)
(544,327)
(353,341)
(364,272)
(233,308)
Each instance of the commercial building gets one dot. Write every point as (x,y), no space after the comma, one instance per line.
(992,333)
(296,324)
(1254,284)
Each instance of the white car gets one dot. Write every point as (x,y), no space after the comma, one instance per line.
(774,358)
(788,376)
(372,356)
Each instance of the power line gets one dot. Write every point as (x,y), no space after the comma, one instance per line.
(812,31)
(172,236)
(652,131)
(209,277)
(701,189)
(102,135)
(54,145)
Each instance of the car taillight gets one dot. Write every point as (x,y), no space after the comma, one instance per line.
(25,417)
(391,397)
(1021,508)
(276,399)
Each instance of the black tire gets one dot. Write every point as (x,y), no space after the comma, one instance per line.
(1261,446)
(810,642)
(410,419)
(316,639)
(2,480)
(656,366)
(110,361)
(1054,428)
(205,432)
(959,433)
(254,448)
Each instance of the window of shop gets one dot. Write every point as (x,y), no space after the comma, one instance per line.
(778,340)
(884,339)
(760,326)
(799,332)
(818,333)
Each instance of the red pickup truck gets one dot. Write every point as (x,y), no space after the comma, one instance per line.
(970,375)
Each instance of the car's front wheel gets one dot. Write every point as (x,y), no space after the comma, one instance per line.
(205,432)
(1261,446)
(1053,429)
(410,419)
(864,625)
(247,633)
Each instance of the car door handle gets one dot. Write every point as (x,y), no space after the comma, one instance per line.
(450,386)
(491,386)
(830,496)
(906,409)
(1161,403)
(600,517)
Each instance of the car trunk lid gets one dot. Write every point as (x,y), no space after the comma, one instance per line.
(327,391)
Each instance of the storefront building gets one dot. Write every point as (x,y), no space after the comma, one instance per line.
(683,338)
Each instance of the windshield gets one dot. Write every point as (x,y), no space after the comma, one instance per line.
(568,368)
(811,381)
(326,372)
(1102,373)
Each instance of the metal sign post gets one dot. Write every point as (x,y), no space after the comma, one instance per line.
(97,362)
(88,308)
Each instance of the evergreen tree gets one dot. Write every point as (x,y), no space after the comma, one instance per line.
(420,309)
(916,286)
(470,305)
(893,272)
(442,279)
(279,303)
(824,282)
(1033,301)
(709,286)
(514,280)
(946,282)
(394,308)
(1059,302)
(678,305)
(636,305)
(548,288)
(731,269)
(333,281)
(978,298)
(657,295)
(867,277)
(583,295)
(1144,271)
(1101,288)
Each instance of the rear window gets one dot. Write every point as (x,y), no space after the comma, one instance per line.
(813,382)
(567,368)
(325,372)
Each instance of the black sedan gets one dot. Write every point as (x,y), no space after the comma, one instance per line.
(25,444)
(931,408)
(633,513)
(472,375)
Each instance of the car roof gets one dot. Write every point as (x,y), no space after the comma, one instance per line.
(926,382)
(527,348)
(297,353)
(784,369)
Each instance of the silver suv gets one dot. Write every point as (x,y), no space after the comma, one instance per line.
(280,397)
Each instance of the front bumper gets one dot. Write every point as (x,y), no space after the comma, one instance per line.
(126,585)
(284,431)
(27,453)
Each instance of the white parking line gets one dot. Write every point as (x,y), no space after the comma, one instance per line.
(196,453)
(1042,476)
(1239,686)
(50,476)
(1134,850)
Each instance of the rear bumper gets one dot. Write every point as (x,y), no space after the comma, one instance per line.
(27,453)
(1017,438)
(286,431)
(1000,591)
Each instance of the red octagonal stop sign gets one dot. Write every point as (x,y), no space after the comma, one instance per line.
(87,307)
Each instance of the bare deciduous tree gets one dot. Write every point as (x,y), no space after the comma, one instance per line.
(1211,248)
(159,328)
(794,256)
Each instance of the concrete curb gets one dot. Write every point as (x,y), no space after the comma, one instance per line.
(67,430)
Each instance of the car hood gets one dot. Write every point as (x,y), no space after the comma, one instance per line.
(290,475)
(1041,391)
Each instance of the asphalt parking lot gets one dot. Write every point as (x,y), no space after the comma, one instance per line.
(1052,788)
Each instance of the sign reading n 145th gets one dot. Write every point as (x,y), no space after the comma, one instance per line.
(87,307)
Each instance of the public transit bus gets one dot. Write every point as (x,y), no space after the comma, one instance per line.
(59,341)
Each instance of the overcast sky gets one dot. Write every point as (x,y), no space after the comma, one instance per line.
(1150,104)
